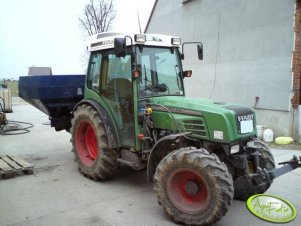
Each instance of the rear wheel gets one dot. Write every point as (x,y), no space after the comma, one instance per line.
(193,186)
(90,144)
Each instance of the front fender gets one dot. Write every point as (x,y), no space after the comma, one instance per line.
(163,147)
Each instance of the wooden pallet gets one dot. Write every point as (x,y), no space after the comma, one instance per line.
(10,166)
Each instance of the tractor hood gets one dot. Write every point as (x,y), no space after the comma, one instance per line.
(206,119)
(196,104)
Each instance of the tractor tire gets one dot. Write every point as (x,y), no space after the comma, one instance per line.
(193,186)
(90,144)
(266,161)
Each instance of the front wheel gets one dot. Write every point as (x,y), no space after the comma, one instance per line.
(193,186)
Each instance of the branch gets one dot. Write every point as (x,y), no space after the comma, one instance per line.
(85,26)
(88,21)
(94,16)
(97,17)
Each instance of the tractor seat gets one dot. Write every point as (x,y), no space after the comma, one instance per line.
(123,89)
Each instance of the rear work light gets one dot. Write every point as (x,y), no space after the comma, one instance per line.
(176,41)
(140,38)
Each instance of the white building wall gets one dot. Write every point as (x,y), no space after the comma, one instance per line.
(248,48)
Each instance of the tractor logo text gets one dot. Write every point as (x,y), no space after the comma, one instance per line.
(245,117)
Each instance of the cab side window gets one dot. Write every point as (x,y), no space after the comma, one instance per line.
(116,82)
(94,71)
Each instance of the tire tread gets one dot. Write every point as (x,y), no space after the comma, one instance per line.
(106,163)
(214,168)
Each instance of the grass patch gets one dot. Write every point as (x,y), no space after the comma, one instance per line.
(13,86)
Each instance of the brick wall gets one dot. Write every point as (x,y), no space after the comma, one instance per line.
(296,65)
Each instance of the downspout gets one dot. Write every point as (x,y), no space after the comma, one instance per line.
(299,124)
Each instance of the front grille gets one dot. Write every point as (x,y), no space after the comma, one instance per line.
(196,127)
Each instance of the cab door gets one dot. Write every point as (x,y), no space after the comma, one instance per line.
(114,85)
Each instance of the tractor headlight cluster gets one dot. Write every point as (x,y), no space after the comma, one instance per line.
(234,149)
(140,38)
(176,41)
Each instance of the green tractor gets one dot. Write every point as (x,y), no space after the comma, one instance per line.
(200,154)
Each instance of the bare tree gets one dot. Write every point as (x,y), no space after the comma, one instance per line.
(98,16)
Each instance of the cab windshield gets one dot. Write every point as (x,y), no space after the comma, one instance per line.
(160,72)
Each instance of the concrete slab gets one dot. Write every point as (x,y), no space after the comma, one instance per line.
(57,194)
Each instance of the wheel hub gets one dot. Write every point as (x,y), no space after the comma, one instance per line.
(192,187)
(188,190)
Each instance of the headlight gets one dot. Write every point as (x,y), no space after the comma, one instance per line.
(234,149)
(176,41)
(140,38)
(251,143)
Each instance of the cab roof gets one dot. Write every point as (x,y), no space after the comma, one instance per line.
(105,40)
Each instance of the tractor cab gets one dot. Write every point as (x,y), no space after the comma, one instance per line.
(126,72)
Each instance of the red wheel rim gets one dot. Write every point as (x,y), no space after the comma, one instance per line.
(86,143)
(188,191)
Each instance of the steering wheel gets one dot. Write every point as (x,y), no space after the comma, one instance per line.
(160,88)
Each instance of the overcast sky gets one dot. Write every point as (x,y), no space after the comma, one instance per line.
(47,33)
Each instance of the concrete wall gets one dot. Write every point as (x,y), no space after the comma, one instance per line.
(248,48)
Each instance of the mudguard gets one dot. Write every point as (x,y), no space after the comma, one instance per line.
(164,146)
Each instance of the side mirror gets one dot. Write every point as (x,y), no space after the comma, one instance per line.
(120,47)
(200,51)
(187,73)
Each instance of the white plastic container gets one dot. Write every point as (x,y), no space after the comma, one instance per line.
(6,100)
(260,129)
(268,135)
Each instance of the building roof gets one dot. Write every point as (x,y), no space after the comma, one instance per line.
(39,71)
(150,16)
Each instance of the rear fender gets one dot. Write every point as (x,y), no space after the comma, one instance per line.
(113,139)
(163,147)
